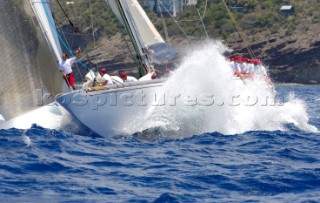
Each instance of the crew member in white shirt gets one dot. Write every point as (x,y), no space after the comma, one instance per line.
(106,78)
(127,78)
(263,69)
(242,65)
(245,65)
(250,66)
(235,66)
(65,68)
(259,68)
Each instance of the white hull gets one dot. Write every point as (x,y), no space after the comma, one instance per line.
(109,112)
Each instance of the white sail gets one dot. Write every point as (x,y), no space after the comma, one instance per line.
(42,10)
(147,32)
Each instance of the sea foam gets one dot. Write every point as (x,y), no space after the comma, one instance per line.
(210,99)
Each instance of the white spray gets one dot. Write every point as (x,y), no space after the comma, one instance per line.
(210,99)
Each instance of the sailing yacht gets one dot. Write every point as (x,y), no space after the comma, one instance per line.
(110,110)
(114,109)
(107,112)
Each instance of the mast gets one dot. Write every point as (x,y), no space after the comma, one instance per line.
(145,64)
(141,31)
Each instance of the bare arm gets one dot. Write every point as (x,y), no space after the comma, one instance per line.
(78,52)
(74,59)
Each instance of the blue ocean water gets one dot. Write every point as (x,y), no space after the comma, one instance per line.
(42,165)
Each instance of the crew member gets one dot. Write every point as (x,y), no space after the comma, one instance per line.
(154,76)
(65,68)
(106,78)
(127,78)
(235,66)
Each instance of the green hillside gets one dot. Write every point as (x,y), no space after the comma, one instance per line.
(288,44)
(256,16)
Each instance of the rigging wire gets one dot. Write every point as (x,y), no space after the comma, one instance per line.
(189,20)
(91,17)
(242,35)
(164,26)
(65,14)
(76,29)
(71,33)
(176,22)
(204,28)
(74,15)
(205,9)
(194,20)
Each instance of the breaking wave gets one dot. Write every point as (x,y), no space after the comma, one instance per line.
(210,99)
(1,118)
